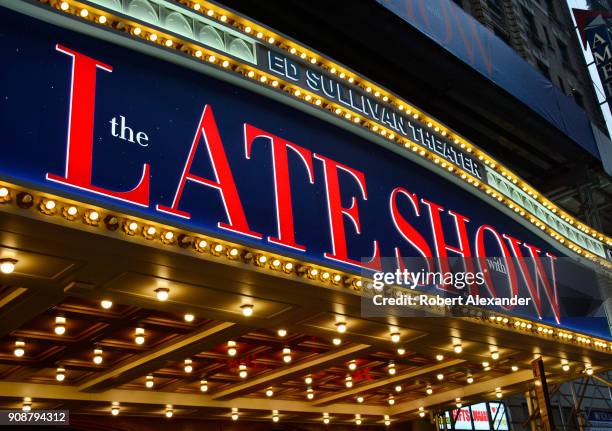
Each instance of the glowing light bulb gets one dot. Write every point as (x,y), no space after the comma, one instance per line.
(7,265)
(395,337)
(149,381)
(391,400)
(309,393)
(139,336)
(360,399)
(470,379)
(326,421)
(282,333)
(162,293)
(115,409)
(247,310)
(458,348)
(231,348)
(336,341)
(60,325)
(391,369)
(401,351)
(275,418)
(106,304)
(352,365)
(440,376)
(203,386)
(64,5)
(514,368)
(341,327)
(188,366)
(495,355)
(242,371)
(439,357)
(169,411)
(19,348)
(97,359)
(234,416)
(429,390)
(348,382)
(27,404)
(287,355)
(308,380)
(398,388)
(189,317)
(589,371)
(269,392)
(102,19)
(565,367)
(60,374)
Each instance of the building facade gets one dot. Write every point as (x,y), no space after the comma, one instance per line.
(542,32)
(601,5)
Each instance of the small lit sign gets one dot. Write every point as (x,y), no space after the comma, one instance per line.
(485,416)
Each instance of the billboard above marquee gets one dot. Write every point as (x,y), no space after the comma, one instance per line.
(463,36)
(93,121)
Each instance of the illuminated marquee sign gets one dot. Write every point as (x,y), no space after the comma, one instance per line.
(93,121)
(319,82)
(476,417)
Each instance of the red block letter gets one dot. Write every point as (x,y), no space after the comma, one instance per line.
(336,212)
(80,133)
(440,242)
(533,286)
(224,180)
(482,261)
(408,232)
(282,184)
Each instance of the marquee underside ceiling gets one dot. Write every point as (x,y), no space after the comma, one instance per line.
(67,272)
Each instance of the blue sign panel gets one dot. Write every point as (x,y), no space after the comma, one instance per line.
(463,36)
(96,122)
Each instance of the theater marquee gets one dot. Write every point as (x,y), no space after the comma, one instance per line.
(99,123)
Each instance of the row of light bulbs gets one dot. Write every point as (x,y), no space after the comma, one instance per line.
(234,414)
(92,217)
(163,294)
